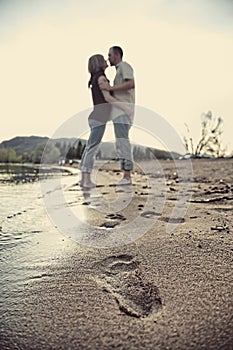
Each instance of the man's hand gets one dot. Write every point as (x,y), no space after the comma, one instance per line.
(104,85)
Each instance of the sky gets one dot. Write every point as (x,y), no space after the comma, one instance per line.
(181,53)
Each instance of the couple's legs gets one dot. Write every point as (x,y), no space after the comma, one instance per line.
(87,161)
(122,126)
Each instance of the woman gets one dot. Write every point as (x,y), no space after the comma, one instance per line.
(102,100)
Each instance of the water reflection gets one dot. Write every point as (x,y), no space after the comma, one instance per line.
(24,173)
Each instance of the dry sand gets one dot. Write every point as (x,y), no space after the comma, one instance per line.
(162,291)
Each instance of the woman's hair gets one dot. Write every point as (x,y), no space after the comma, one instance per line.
(95,64)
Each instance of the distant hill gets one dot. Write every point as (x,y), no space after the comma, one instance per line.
(28,144)
(24,144)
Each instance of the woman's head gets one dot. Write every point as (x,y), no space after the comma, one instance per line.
(96,63)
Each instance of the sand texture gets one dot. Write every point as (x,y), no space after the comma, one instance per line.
(161,290)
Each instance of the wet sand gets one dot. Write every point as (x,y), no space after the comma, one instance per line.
(161,291)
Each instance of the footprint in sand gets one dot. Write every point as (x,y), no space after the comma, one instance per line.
(115,219)
(172,220)
(120,275)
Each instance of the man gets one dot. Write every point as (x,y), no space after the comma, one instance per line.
(124,91)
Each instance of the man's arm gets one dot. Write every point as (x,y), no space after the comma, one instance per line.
(110,99)
(127,85)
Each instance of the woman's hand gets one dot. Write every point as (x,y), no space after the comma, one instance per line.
(104,85)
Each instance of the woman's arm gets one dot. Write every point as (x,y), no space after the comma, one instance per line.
(110,99)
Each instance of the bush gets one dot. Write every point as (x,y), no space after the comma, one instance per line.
(8,155)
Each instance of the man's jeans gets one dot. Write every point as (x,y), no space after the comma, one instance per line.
(122,125)
(96,135)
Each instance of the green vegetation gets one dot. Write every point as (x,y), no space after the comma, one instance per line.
(51,156)
(58,151)
(8,155)
(31,149)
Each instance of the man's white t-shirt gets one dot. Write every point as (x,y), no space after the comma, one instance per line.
(123,72)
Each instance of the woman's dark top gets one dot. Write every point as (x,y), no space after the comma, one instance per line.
(102,108)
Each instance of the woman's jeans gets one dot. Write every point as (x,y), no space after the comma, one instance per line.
(122,125)
(91,149)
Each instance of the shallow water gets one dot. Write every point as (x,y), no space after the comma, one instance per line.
(29,242)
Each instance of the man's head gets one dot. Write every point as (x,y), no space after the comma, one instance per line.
(115,55)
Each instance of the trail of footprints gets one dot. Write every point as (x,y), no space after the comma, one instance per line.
(121,276)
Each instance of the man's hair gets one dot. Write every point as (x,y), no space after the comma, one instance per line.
(118,50)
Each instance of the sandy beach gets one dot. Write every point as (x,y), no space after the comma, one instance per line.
(157,287)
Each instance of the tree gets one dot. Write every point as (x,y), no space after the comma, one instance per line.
(71,154)
(79,150)
(37,154)
(8,155)
(52,155)
(139,153)
(49,152)
(63,149)
(26,157)
(210,141)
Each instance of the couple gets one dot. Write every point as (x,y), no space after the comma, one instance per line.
(114,103)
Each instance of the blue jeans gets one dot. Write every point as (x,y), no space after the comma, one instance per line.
(96,135)
(122,125)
